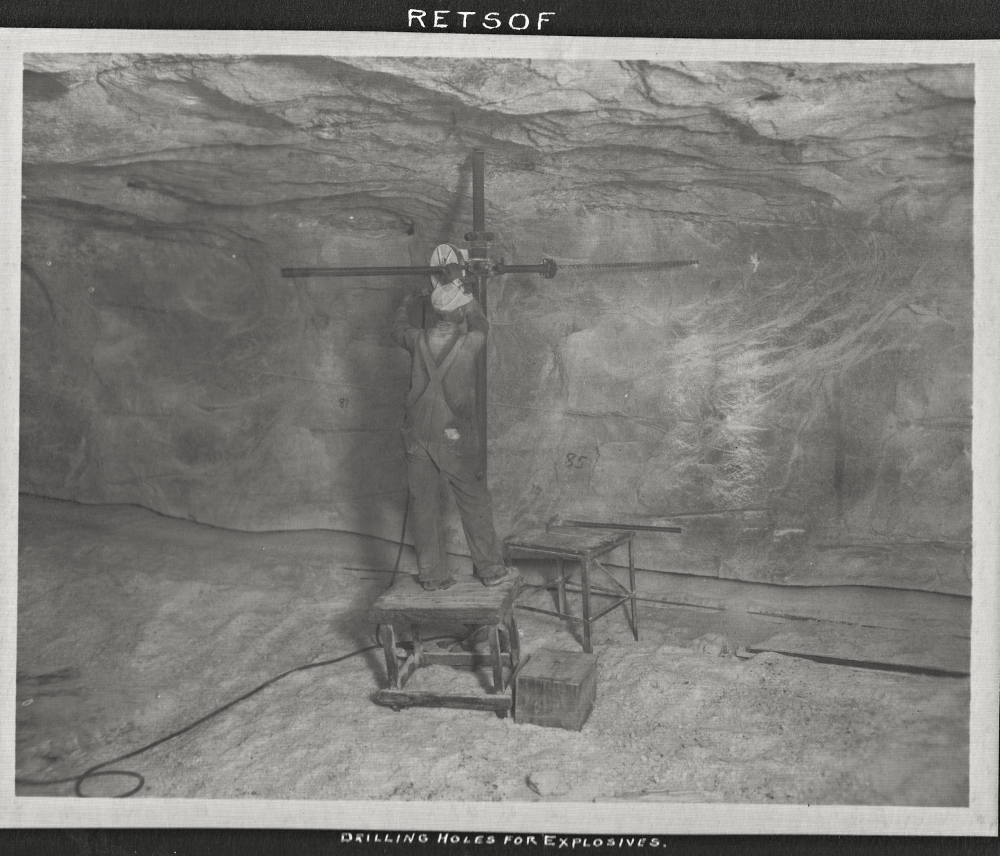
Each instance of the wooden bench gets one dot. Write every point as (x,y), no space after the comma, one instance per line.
(584,546)
(407,608)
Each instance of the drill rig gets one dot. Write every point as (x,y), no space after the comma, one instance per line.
(475,267)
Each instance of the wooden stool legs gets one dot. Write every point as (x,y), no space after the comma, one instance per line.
(406,608)
(513,641)
(400,664)
(391,661)
(586,546)
(494,635)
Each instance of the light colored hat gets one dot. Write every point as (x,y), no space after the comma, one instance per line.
(449,297)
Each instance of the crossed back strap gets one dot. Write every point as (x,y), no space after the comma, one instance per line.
(436,372)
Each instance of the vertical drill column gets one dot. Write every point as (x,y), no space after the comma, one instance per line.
(478,250)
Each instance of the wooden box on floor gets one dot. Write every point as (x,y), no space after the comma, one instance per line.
(556,688)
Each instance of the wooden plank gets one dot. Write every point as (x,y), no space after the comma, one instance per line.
(599,541)
(494,636)
(513,641)
(468,601)
(462,658)
(570,542)
(407,698)
(418,645)
(408,668)
(389,648)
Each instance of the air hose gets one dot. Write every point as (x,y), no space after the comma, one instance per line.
(99,769)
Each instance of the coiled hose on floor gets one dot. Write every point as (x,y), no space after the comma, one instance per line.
(99,770)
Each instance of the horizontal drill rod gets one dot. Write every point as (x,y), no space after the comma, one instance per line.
(547,269)
(364,271)
(633,265)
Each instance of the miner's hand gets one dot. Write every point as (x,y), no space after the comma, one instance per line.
(453,272)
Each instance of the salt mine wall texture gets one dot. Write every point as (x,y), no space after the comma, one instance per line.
(812,373)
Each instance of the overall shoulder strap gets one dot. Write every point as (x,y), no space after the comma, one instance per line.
(448,360)
(433,372)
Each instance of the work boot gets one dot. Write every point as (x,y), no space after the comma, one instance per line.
(499,574)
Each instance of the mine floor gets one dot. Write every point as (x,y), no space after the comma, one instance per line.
(132,625)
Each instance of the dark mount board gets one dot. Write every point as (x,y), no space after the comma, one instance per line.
(703,19)
(715,19)
(258,842)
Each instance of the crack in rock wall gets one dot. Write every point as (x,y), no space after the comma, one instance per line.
(815,369)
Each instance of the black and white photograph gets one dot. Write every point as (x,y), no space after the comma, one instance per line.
(561,435)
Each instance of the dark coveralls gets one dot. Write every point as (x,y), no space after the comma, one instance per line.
(439,438)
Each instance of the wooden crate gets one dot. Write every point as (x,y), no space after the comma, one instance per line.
(556,688)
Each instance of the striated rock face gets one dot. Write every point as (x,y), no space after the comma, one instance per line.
(815,368)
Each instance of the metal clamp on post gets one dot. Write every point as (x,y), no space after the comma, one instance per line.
(480,267)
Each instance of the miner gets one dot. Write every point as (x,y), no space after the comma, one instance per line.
(439,432)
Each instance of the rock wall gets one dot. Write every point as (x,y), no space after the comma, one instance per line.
(814,371)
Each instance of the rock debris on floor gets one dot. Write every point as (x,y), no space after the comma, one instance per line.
(132,626)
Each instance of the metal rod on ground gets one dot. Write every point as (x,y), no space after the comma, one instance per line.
(593,524)
(710,512)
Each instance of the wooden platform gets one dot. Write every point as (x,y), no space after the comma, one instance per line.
(406,608)
(569,541)
(467,601)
